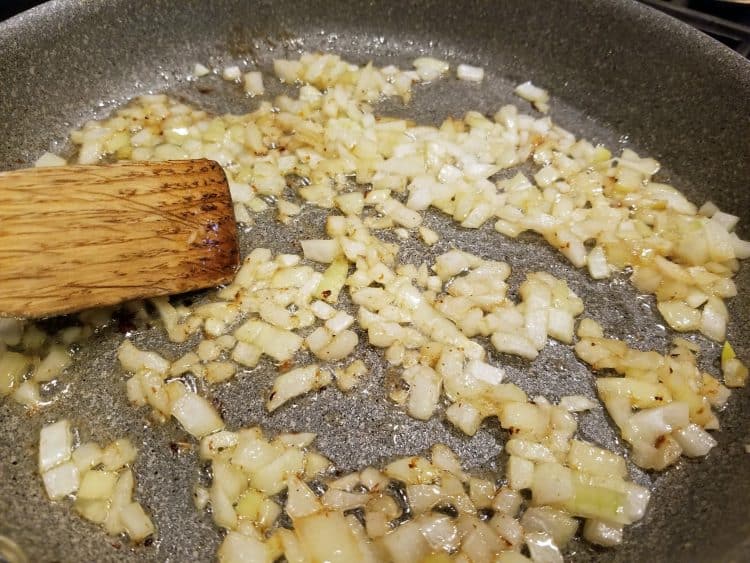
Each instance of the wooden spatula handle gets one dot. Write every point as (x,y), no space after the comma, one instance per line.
(75,237)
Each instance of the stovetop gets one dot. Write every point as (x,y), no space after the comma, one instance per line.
(726,21)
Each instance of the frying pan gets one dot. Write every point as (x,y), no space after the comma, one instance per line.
(619,73)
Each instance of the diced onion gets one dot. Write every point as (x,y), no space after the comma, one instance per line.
(55,445)
(602,212)
(694,441)
(61,480)
(321,250)
(253,83)
(470,73)
(200,70)
(231,73)
(602,533)
(49,159)
(296,382)
(196,415)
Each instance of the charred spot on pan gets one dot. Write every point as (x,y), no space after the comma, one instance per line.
(205,473)
(219,405)
(124,320)
(506,543)
(447,509)
(358,513)
(180,447)
(485,513)
(397,491)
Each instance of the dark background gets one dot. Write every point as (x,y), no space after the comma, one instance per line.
(733,12)
(698,13)
(11,7)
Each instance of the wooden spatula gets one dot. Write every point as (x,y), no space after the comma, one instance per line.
(75,237)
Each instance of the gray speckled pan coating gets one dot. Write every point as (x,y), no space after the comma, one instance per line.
(619,73)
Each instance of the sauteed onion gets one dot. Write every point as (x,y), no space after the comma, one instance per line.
(433,321)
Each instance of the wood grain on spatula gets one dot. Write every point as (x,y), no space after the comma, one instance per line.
(75,237)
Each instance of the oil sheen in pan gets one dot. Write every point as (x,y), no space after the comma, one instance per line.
(374,429)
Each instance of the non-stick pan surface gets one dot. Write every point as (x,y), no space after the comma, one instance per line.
(619,74)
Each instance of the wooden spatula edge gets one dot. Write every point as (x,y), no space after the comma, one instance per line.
(77,237)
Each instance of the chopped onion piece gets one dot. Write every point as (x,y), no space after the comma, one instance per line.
(714,319)
(326,536)
(602,533)
(61,480)
(339,322)
(87,456)
(137,523)
(132,359)
(649,424)
(552,484)
(55,444)
(596,461)
(324,251)
(559,525)
(429,237)
(406,544)
(217,443)
(253,83)
(726,220)
(515,344)
(118,454)
(97,484)
(440,532)
(296,382)
(507,501)
(577,403)
(278,343)
(708,209)
(424,391)
(343,500)
(49,159)
(597,264)
(465,416)
(694,441)
(239,548)
(535,95)
(200,70)
(679,315)
(231,73)
(197,415)
(470,73)
(333,280)
(301,500)
(520,473)
(542,548)
(485,372)
(443,458)
(429,69)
